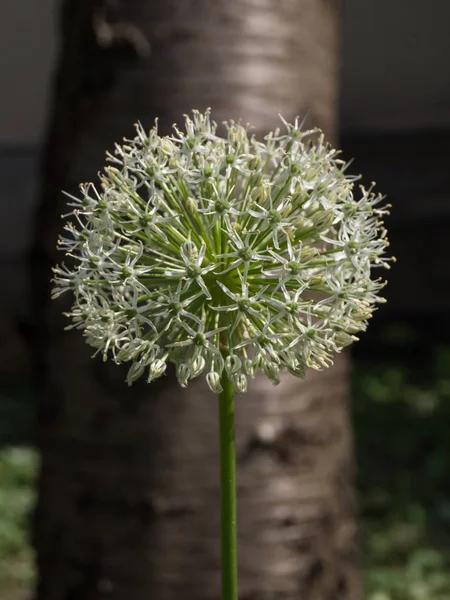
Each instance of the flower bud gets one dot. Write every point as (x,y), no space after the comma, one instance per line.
(238,135)
(192,204)
(315,281)
(249,368)
(183,374)
(213,380)
(240,383)
(156,369)
(344,339)
(134,372)
(189,249)
(298,370)
(232,364)
(197,366)
(272,372)
(308,253)
(167,146)
(324,219)
(260,194)
(254,164)
(361,314)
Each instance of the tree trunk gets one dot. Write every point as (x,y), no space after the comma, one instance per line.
(129,500)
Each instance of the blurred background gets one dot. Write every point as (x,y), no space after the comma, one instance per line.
(377,79)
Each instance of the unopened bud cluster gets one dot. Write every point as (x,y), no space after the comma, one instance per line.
(218,253)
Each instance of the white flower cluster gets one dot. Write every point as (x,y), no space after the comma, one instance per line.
(223,253)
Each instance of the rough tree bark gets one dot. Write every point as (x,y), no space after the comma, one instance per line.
(129,505)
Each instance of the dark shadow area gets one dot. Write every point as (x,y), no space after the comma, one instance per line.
(401,411)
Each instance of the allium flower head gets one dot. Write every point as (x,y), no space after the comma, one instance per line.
(218,253)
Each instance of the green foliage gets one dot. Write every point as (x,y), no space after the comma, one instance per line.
(18,468)
(401,414)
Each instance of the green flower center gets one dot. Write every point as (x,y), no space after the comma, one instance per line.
(274,217)
(292,307)
(243,305)
(175,307)
(221,206)
(144,220)
(245,253)
(193,271)
(199,339)
(294,267)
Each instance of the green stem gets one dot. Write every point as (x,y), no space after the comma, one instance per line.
(228,490)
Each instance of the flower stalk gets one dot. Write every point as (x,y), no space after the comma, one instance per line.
(228,490)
